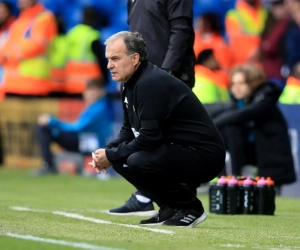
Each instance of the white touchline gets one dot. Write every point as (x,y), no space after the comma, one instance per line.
(259,247)
(81,217)
(60,242)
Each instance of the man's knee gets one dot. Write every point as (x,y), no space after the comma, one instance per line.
(136,163)
(141,166)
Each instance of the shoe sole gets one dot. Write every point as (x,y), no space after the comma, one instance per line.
(153,224)
(140,213)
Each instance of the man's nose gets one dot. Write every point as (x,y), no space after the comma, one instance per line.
(110,65)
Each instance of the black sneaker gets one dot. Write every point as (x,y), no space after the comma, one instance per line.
(186,218)
(134,207)
(162,215)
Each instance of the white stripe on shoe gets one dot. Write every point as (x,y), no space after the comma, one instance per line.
(199,220)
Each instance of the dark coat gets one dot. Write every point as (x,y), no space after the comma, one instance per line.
(271,138)
(160,109)
(167,29)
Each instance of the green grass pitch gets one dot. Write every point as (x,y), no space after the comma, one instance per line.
(55,199)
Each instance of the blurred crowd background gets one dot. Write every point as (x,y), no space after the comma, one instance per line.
(265,33)
(48,52)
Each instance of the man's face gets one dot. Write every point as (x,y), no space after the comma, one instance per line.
(278,9)
(25,4)
(212,63)
(296,12)
(4,13)
(121,65)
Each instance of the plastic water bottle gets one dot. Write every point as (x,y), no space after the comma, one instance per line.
(248,195)
(240,195)
(262,196)
(212,195)
(232,195)
(221,195)
(271,196)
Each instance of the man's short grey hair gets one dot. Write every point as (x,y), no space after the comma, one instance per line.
(133,41)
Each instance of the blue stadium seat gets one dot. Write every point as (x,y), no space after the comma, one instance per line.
(72,16)
(104,5)
(109,31)
(54,6)
(228,4)
(119,18)
(204,6)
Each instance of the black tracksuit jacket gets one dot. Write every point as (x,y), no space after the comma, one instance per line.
(159,108)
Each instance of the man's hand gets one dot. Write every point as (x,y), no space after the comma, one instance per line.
(43,119)
(100,162)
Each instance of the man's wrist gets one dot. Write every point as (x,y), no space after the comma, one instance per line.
(107,153)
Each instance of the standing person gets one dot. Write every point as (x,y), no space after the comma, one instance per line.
(292,38)
(167,29)
(165,148)
(244,25)
(208,36)
(272,50)
(27,48)
(85,59)
(6,20)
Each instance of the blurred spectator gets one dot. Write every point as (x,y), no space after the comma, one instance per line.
(244,24)
(272,49)
(25,52)
(208,36)
(58,58)
(292,37)
(256,131)
(209,87)
(291,92)
(86,58)
(85,135)
(167,28)
(6,20)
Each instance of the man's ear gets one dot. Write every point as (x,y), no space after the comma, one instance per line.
(136,58)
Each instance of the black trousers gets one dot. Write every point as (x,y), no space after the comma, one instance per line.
(170,174)
(68,141)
